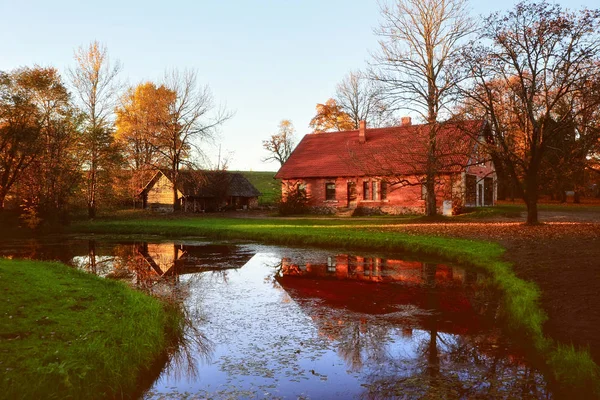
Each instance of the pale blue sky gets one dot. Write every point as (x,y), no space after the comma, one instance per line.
(267,60)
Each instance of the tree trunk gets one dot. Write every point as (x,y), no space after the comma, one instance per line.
(532,212)
(3,194)
(430,199)
(531,198)
(176,205)
(92,189)
(91,210)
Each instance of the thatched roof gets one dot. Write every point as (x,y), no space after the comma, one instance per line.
(198,183)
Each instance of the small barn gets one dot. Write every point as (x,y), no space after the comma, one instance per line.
(200,191)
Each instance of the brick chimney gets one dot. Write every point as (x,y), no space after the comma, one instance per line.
(362,127)
(406,121)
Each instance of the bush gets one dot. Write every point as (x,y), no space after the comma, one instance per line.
(296,201)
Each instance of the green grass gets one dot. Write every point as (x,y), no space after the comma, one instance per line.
(264,182)
(574,369)
(68,334)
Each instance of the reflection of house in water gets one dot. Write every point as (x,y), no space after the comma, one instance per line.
(376,269)
(178,259)
(344,281)
(412,330)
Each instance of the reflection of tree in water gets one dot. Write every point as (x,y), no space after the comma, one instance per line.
(154,270)
(454,352)
(96,264)
(362,343)
(456,366)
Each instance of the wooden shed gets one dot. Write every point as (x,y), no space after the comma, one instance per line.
(200,191)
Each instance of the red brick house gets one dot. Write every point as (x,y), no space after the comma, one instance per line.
(384,168)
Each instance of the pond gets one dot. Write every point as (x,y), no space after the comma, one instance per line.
(278,322)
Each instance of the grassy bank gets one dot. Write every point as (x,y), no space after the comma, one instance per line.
(68,334)
(573,369)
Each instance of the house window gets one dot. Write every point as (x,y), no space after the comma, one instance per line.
(330,191)
(423,191)
(330,265)
(375,190)
(383,191)
(366,191)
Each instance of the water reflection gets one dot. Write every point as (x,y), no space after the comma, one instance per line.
(274,322)
(427,333)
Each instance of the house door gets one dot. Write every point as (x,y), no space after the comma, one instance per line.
(488,191)
(480,194)
(352,194)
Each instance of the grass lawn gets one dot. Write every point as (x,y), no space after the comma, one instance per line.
(574,369)
(264,182)
(68,334)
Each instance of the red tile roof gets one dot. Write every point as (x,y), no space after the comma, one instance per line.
(400,150)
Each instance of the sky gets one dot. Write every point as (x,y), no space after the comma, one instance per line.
(265,60)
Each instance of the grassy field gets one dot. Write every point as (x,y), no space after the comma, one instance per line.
(264,182)
(574,369)
(68,334)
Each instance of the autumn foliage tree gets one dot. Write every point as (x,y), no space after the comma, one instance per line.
(94,80)
(20,131)
(280,144)
(532,72)
(142,120)
(330,117)
(49,182)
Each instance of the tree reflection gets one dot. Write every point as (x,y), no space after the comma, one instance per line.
(425,336)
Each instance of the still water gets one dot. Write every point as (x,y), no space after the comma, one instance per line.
(277,322)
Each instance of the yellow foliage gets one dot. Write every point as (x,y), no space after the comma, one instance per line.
(331,117)
(142,119)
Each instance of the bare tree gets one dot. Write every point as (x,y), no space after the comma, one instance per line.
(193,119)
(94,79)
(420,38)
(280,144)
(535,77)
(362,99)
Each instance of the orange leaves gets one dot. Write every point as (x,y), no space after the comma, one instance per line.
(330,117)
(142,119)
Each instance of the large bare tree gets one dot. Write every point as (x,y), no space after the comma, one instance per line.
(419,41)
(193,120)
(94,79)
(280,144)
(535,78)
(363,100)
